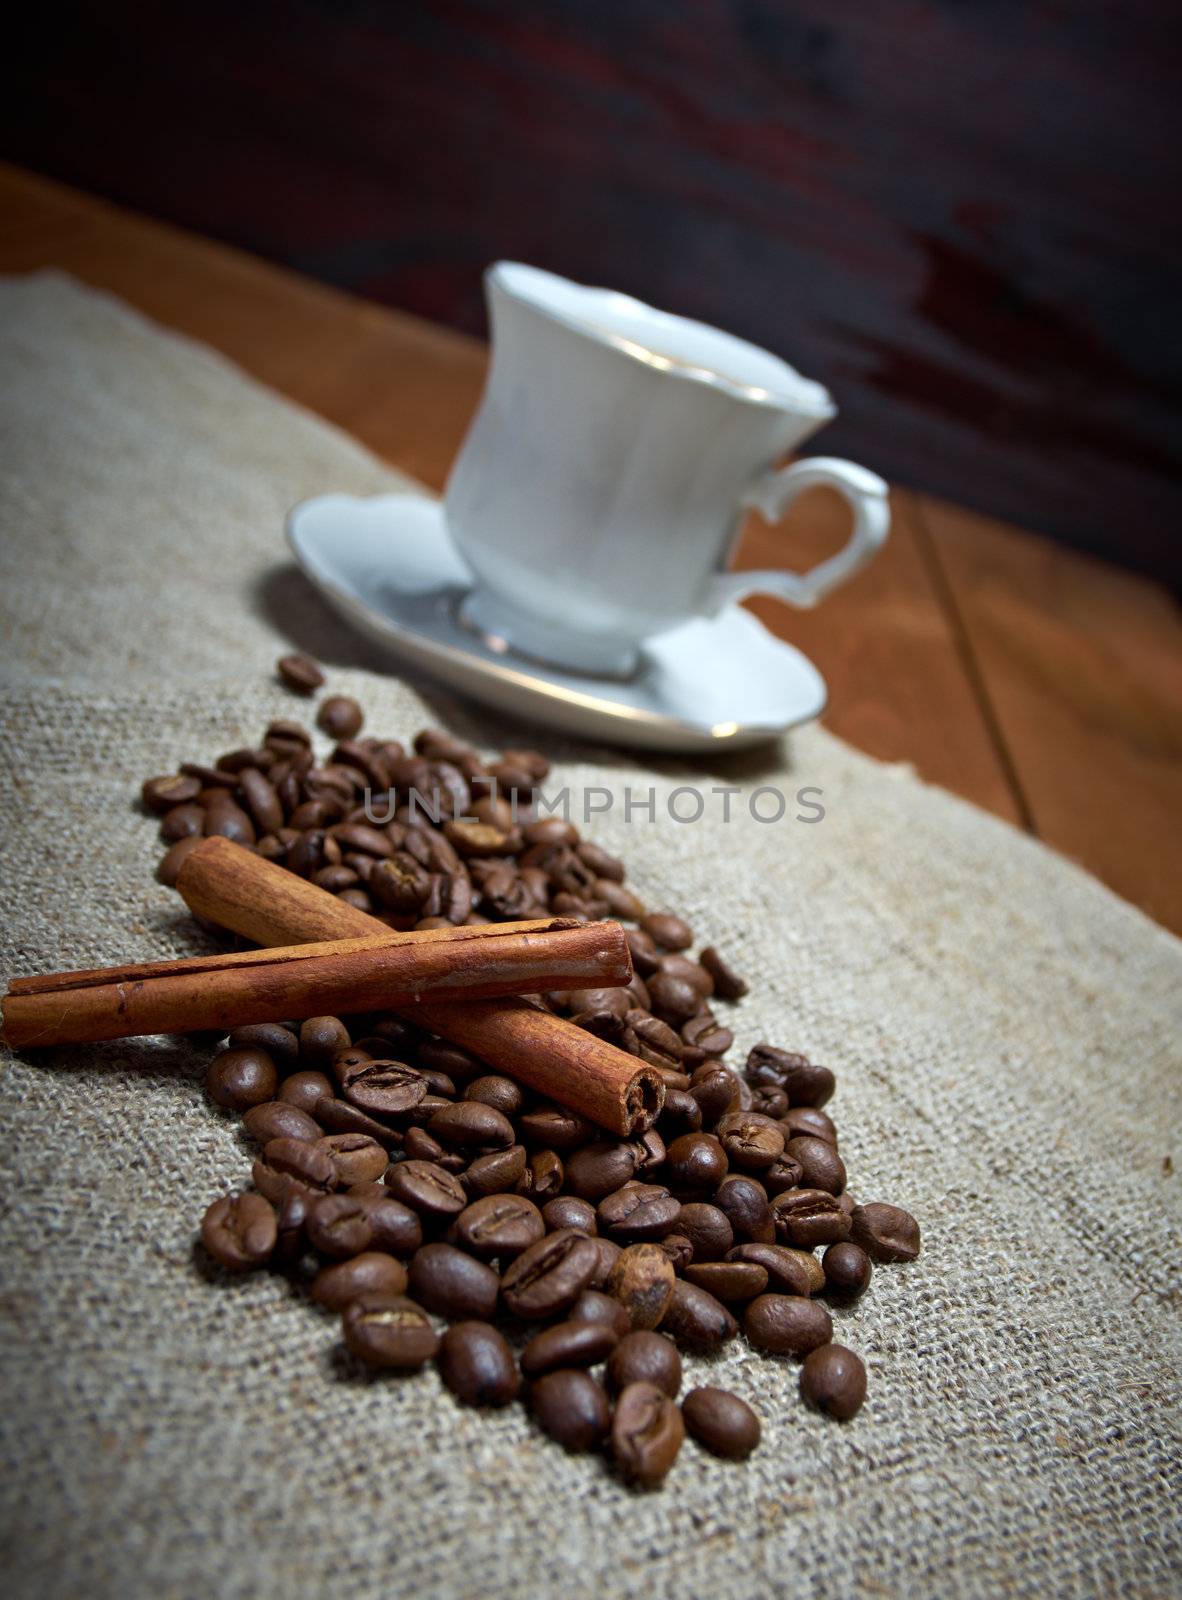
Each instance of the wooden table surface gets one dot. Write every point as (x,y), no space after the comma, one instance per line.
(1043,685)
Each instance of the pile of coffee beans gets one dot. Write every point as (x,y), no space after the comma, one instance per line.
(446,1214)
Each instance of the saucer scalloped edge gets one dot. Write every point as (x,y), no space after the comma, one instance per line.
(388,566)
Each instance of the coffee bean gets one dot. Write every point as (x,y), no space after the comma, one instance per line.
(617,1002)
(804,1083)
(502,1094)
(548,1278)
(349,1064)
(772,1102)
(820,1165)
(396,1229)
(786,1269)
(418,1145)
(643,1281)
(847,1271)
(280,1043)
(685,967)
(183,822)
(356,1157)
(681,1114)
(300,673)
(728,985)
(708,1230)
(784,1173)
(261,801)
(787,1324)
(426,1188)
(371,1272)
(388,1330)
(809,1217)
(706,1034)
(607,1253)
(732,1282)
(751,1142)
(544,1178)
(496,1173)
(599,1169)
(173,860)
(239,1231)
(721,1422)
(305,1090)
(550,830)
(644,1357)
(239,1079)
(668,931)
(567,1344)
(885,1232)
(500,1225)
(286,731)
(452,1283)
(477,1365)
(555,1128)
(162,794)
(338,1116)
(643,949)
(833,1380)
(593,1306)
(567,1211)
(572,1408)
(225,818)
(743,1201)
(679,1250)
(340,717)
(293,1204)
(338,1225)
(716,1089)
(276,1119)
(695,1164)
(321,1039)
(297,1159)
(469,1125)
(656,1042)
(361,836)
(647,1433)
(807,1120)
(673,998)
(385,1088)
(637,1212)
(696,1319)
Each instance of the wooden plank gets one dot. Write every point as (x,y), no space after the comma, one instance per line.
(1081,663)
(898,687)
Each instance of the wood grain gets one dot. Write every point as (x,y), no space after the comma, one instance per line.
(887,648)
(1081,663)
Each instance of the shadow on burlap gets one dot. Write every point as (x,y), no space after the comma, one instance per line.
(1003,1029)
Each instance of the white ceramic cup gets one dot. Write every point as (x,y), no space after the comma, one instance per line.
(601,485)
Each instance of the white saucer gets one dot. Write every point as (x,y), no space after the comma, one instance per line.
(388,565)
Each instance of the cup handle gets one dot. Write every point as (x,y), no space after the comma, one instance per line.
(774,492)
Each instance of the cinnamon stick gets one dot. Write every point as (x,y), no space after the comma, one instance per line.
(377,972)
(271,906)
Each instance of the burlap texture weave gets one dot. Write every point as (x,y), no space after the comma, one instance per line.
(1004,1032)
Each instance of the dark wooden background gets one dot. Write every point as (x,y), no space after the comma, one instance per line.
(961,215)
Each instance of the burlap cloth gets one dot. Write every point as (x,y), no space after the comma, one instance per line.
(1004,1030)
